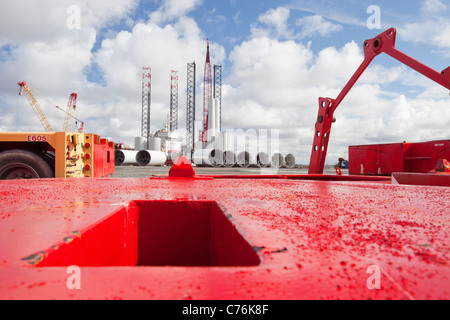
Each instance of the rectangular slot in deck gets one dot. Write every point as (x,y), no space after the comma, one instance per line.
(157,233)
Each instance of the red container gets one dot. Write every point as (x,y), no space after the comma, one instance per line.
(384,159)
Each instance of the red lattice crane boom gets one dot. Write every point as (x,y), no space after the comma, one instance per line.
(207,93)
(70,111)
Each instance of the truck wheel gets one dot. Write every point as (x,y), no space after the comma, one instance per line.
(23,164)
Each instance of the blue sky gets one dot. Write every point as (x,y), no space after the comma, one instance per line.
(278,58)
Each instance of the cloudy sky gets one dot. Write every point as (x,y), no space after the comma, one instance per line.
(278,58)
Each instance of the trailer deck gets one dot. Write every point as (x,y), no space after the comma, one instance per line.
(206,238)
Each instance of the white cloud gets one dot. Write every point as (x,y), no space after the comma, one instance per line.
(163,48)
(435,32)
(316,25)
(276,18)
(432,26)
(54,64)
(173,9)
(379,74)
(344,12)
(48,55)
(433,6)
(275,23)
(179,8)
(334,67)
(29,20)
(276,84)
(268,72)
(236,18)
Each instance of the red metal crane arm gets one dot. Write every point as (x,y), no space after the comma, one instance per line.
(385,42)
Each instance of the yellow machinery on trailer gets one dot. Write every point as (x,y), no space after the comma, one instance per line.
(25,155)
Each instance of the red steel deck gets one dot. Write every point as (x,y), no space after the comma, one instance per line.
(206,238)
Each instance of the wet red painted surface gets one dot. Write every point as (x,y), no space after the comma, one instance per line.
(308,239)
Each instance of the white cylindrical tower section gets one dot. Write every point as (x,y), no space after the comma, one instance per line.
(289,160)
(218,142)
(140,143)
(217,116)
(197,159)
(125,157)
(277,160)
(151,158)
(245,159)
(216,157)
(208,157)
(227,140)
(229,158)
(154,144)
(263,160)
(211,121)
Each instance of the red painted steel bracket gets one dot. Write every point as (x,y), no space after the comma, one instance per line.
(385,42)
(182,169)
